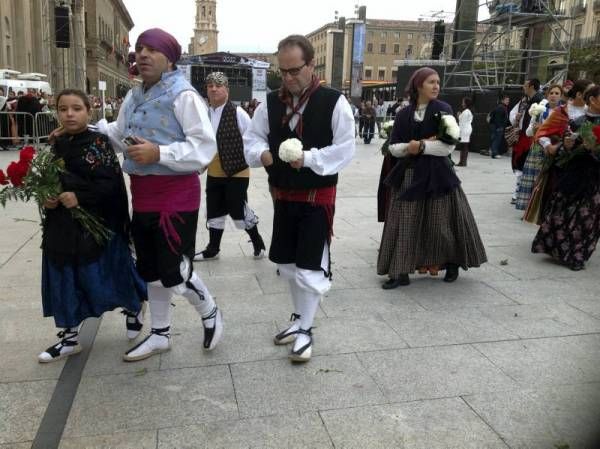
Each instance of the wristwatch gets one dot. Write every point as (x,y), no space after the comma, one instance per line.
(421,146)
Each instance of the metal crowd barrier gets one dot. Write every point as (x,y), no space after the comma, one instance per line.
(22,128)
(44,123)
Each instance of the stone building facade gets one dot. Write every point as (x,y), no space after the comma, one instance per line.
(98,32)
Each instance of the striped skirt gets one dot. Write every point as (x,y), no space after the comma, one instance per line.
(432,232)
(531,170)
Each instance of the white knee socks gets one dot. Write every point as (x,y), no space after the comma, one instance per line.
(159,300)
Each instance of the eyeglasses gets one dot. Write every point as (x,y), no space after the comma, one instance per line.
(294,71)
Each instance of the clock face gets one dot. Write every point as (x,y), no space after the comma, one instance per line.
(202,39)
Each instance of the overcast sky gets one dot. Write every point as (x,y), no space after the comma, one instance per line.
(258,25)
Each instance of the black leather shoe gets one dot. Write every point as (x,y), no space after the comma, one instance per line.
(451,273)
(577,266)
(393,283)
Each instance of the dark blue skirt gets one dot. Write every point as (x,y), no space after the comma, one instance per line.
(73,292)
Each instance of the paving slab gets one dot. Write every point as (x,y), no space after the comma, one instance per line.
(565,416)
(449,327)
(546,291)
(347,335)
(22,406)
(431,373)
(144,401)
(290,431)
(123,440)
(537,320)
(366,302)
(547,361)
(432,293)
(276,387)
(435,424)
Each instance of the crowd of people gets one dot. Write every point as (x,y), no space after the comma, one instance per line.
(303,135)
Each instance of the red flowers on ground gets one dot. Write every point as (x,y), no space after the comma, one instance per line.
(3,178)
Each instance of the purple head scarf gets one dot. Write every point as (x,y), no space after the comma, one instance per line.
(162,41)
(416,80)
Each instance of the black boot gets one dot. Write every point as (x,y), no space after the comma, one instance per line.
(214,245)
(257,242)
(451,272)
(391,283)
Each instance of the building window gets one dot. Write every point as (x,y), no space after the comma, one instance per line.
(396,35)
(394,74)
(381,75)
(578,29)
(204,11)
(382,48)
(368,74)
(409,35)
(369,48)
(383,35)
(396,49)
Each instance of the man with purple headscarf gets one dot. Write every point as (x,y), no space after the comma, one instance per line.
(166,136)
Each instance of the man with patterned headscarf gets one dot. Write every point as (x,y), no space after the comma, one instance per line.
(165,134)
(228,174)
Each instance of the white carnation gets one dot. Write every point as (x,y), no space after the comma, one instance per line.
(290,150)
(538,108)
(451,126)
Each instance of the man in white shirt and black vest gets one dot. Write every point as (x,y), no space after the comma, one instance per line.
(304,188)
(228,173)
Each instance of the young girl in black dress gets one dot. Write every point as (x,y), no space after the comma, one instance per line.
(80,277)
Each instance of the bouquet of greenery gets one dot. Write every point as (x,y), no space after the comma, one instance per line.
(448,130)
(37,175)
(386,132)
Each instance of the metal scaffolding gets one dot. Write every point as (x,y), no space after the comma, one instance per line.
(510,46)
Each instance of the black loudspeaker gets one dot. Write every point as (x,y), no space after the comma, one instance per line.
(61,27)
(439,33)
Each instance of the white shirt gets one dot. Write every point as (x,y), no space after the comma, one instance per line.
(243,119)
(193,154)
(432,147)
(323,161)
(465,118)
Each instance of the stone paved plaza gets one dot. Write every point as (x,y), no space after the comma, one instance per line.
(506,357)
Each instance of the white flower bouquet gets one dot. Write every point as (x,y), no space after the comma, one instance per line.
(290,150)
(448,130)
(538,108)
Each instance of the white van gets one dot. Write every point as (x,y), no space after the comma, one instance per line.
(17,81)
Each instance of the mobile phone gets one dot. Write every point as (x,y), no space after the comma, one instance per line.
(130,140)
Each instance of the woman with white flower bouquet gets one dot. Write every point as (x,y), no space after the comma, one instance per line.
(429,225)
(539,112)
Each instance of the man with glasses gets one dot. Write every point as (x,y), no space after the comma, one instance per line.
(304,189)
(228,174)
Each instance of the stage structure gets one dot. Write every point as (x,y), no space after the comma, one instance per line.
(519,40)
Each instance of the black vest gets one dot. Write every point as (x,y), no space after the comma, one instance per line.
(316,134)
(229,142)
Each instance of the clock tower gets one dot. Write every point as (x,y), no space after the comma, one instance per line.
(205,31)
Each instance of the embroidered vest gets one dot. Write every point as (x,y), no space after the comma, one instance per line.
(151,115)
(317,133)
(229,142)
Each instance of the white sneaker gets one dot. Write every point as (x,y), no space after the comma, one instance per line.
(134,322)
(68,345)
(157,342)
(497,157)
(213,329)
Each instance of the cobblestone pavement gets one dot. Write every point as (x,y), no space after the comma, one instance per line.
(506,357)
